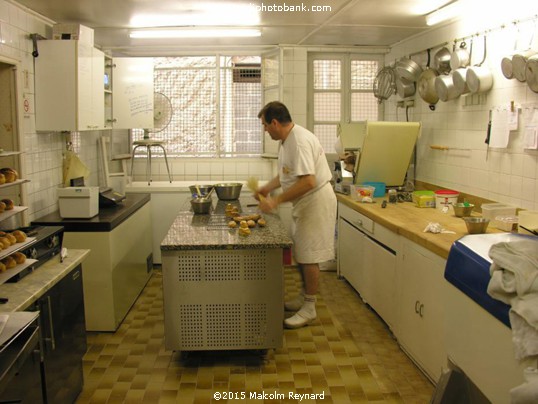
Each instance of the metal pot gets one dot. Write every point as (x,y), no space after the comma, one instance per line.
(519,62)
(507,67)
(426,86)
(531,73)
(459,77)
(460,57)
(479,79)
(441,61)
(444,86)
(405,88)
(407,69)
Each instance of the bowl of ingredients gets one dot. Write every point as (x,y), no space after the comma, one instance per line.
(228,191)
(200,190)
(476,225)
(201,205)
(463,209)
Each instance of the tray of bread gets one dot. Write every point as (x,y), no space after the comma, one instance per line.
(13,264)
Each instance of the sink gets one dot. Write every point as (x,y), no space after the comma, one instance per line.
(467,268)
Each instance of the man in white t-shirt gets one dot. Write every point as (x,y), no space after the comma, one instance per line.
(303,175)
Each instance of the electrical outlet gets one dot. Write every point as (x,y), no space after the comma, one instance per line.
(410,103)
(400,104)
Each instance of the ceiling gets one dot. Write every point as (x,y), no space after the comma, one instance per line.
(370,23)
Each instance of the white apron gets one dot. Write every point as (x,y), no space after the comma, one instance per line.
(313,228)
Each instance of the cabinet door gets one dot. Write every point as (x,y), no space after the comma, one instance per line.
(69,86)
(132,87)
(350,254)
(379,279)
(420,328)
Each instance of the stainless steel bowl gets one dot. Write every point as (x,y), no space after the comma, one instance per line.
(476,225)
(200,190)
(462,209)
(228,191)
(201,206)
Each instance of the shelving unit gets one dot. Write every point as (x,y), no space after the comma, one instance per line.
(12,156)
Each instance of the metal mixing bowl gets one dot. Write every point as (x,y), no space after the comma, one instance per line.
(204,189)
(462,209)
(201,206)
(476,225)
(228,191)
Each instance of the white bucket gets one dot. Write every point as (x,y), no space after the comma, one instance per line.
(444,198)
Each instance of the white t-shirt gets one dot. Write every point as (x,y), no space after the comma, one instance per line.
(301,154)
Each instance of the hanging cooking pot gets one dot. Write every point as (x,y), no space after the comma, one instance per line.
(519,63)
(444,86)
(459,75)
(426,85)
(531,73)
(507,68)
(408,69)
(460,57)
(441,61)
(479,78)
(405,88)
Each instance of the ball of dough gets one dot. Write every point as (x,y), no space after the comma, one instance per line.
(262,222)
(243,224)
(251,223)
(232,224)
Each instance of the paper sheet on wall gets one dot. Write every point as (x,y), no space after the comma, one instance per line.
(513,119)
(500,129)
(530,135)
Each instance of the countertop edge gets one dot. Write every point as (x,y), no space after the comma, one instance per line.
(23,293)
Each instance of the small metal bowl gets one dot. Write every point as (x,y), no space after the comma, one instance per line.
(228,191)
(201,206)
(476,225)
(462,209)
(204,190)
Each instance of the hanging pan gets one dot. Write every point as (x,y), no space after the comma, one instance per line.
(479,78)
(441,61)
(426,84)
(531,73)
(459,75)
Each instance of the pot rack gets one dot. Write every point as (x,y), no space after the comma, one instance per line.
(477,34)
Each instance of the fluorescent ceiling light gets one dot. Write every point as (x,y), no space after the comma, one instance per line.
(195,33)
(445,13)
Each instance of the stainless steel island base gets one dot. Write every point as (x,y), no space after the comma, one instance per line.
(223,299)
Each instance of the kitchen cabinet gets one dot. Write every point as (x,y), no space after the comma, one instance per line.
(128,93)
(421,318)
(367,260)
(63,338)
(69,86)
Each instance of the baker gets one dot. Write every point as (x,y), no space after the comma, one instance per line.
(303,175)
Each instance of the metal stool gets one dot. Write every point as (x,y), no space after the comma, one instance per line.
(148,144)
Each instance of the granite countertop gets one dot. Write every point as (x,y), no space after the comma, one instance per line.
(211,232)
(408,220)
(108,218)
(23,293)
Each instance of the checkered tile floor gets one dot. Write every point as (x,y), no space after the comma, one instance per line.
(346,356)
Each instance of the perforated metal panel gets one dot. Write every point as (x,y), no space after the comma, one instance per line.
(223,299)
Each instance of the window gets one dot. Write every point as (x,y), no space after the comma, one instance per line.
(340,90)
(215,102)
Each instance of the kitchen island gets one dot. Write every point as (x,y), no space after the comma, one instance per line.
(221,290)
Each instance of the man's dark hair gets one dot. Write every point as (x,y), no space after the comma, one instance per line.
(275,110)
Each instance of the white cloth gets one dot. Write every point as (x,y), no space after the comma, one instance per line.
(314,220)
(514,281)
(302,154)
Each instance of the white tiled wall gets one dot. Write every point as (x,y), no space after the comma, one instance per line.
(506,175)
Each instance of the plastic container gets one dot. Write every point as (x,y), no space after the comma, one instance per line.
(424,199)
(492,210)
(506,223)
(529,220)
(361,191)
(445,197)
(380,188)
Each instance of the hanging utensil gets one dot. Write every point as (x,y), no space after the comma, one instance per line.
(531,73)
(384,84)
(407,69)
(459,75)
(426,84)
(479,78)
(460,57)
(441,61)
